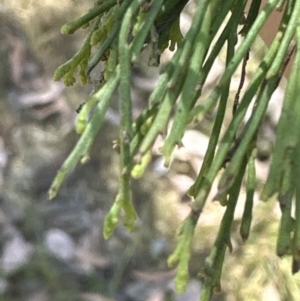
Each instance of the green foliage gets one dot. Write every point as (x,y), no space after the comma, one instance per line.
(120,30)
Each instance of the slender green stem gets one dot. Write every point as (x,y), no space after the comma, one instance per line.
(214,137)
(189,87)
(124,194)
(284,239)
(244,47)
(296,158)
(159,92)
(215,51)
(182,253)
(71,27)
(250,189)
(110,39)
(252,15)
(293,21)
(296,238)
(214,263)
(140,38)
(140,128)
(286,134)
(233,127)
(85,141)
(67,69)
(176,81)
(220,115)
(248,133)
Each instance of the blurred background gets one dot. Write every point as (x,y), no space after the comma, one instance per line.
(54,250)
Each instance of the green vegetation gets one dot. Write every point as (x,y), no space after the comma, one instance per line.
(120,30)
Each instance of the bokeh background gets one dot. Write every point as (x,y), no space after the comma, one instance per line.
(54,250)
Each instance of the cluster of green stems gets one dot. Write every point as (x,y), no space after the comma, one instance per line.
(121,30)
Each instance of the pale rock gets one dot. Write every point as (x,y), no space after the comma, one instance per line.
(16,253)
(60,244)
